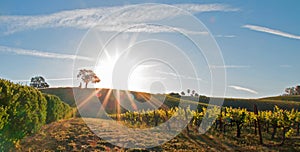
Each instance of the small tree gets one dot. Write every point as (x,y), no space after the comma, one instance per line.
(291,91)
(182,93)
(88,76)
(38,82)
(188,91)
(297,90)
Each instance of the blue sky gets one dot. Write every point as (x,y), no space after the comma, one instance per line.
(259,40)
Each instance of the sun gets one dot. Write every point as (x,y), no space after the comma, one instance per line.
(104,69)
(134,76)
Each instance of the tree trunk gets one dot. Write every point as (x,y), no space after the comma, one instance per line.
(255,127)
(298,126)
(86,84)
(283,136)
(274,131)
(155,118)
(220,122)
(258,125)
(166,120)
(216,124)
(186,118)
(259,132)
(238,130)
(221,125)
(147,120)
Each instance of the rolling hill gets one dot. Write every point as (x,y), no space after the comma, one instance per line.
(67,95)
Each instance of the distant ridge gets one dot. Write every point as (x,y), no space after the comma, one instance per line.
(284,98)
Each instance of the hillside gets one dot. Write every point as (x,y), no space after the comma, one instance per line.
(67,95)
(295,98)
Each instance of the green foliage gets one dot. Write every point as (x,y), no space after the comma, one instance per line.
(285,121)
(23,110)
(56,109)
(3,117)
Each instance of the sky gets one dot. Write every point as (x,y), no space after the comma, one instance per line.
(259,42)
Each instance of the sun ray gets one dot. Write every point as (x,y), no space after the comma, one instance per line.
(118,106)
(88,98)
(131,101)
(154,102)
(105,101)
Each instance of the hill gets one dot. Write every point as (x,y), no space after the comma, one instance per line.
(295,98)
(67,95)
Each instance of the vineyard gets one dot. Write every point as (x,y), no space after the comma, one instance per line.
(272,127)
(26,112)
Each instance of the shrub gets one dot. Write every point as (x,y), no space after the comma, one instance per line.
(22,112)
(56,109)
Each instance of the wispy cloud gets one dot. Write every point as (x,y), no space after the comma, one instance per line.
(243,89)
(285,66)
(51,79)
(228,66)
(225,36)
(87,18)
(19,51)
(271,31)
(197,8)
(176,76)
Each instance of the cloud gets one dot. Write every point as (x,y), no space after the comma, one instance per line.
(225,36)
(243,89)
(194,8)
(285,66)
(87,18)
(228,66)
(176,76)
(51,79)
(271,31)
(144,27)
(42,54)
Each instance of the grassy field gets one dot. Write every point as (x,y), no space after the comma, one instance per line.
(74,135)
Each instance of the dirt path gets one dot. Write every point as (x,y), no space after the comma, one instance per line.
(74,135)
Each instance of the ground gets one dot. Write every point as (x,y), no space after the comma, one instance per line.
(74,135)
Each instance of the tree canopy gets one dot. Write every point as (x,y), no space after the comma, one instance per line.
(38,82)
(88,76)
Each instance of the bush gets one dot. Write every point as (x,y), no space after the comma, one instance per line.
(3,117)
(56,109)
(22,112)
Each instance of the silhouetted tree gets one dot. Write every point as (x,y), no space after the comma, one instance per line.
(38,82)
(182,93)
(297,90)
(88,76)
(291,91)
(188,91)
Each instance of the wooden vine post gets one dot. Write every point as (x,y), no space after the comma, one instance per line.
(258,124)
